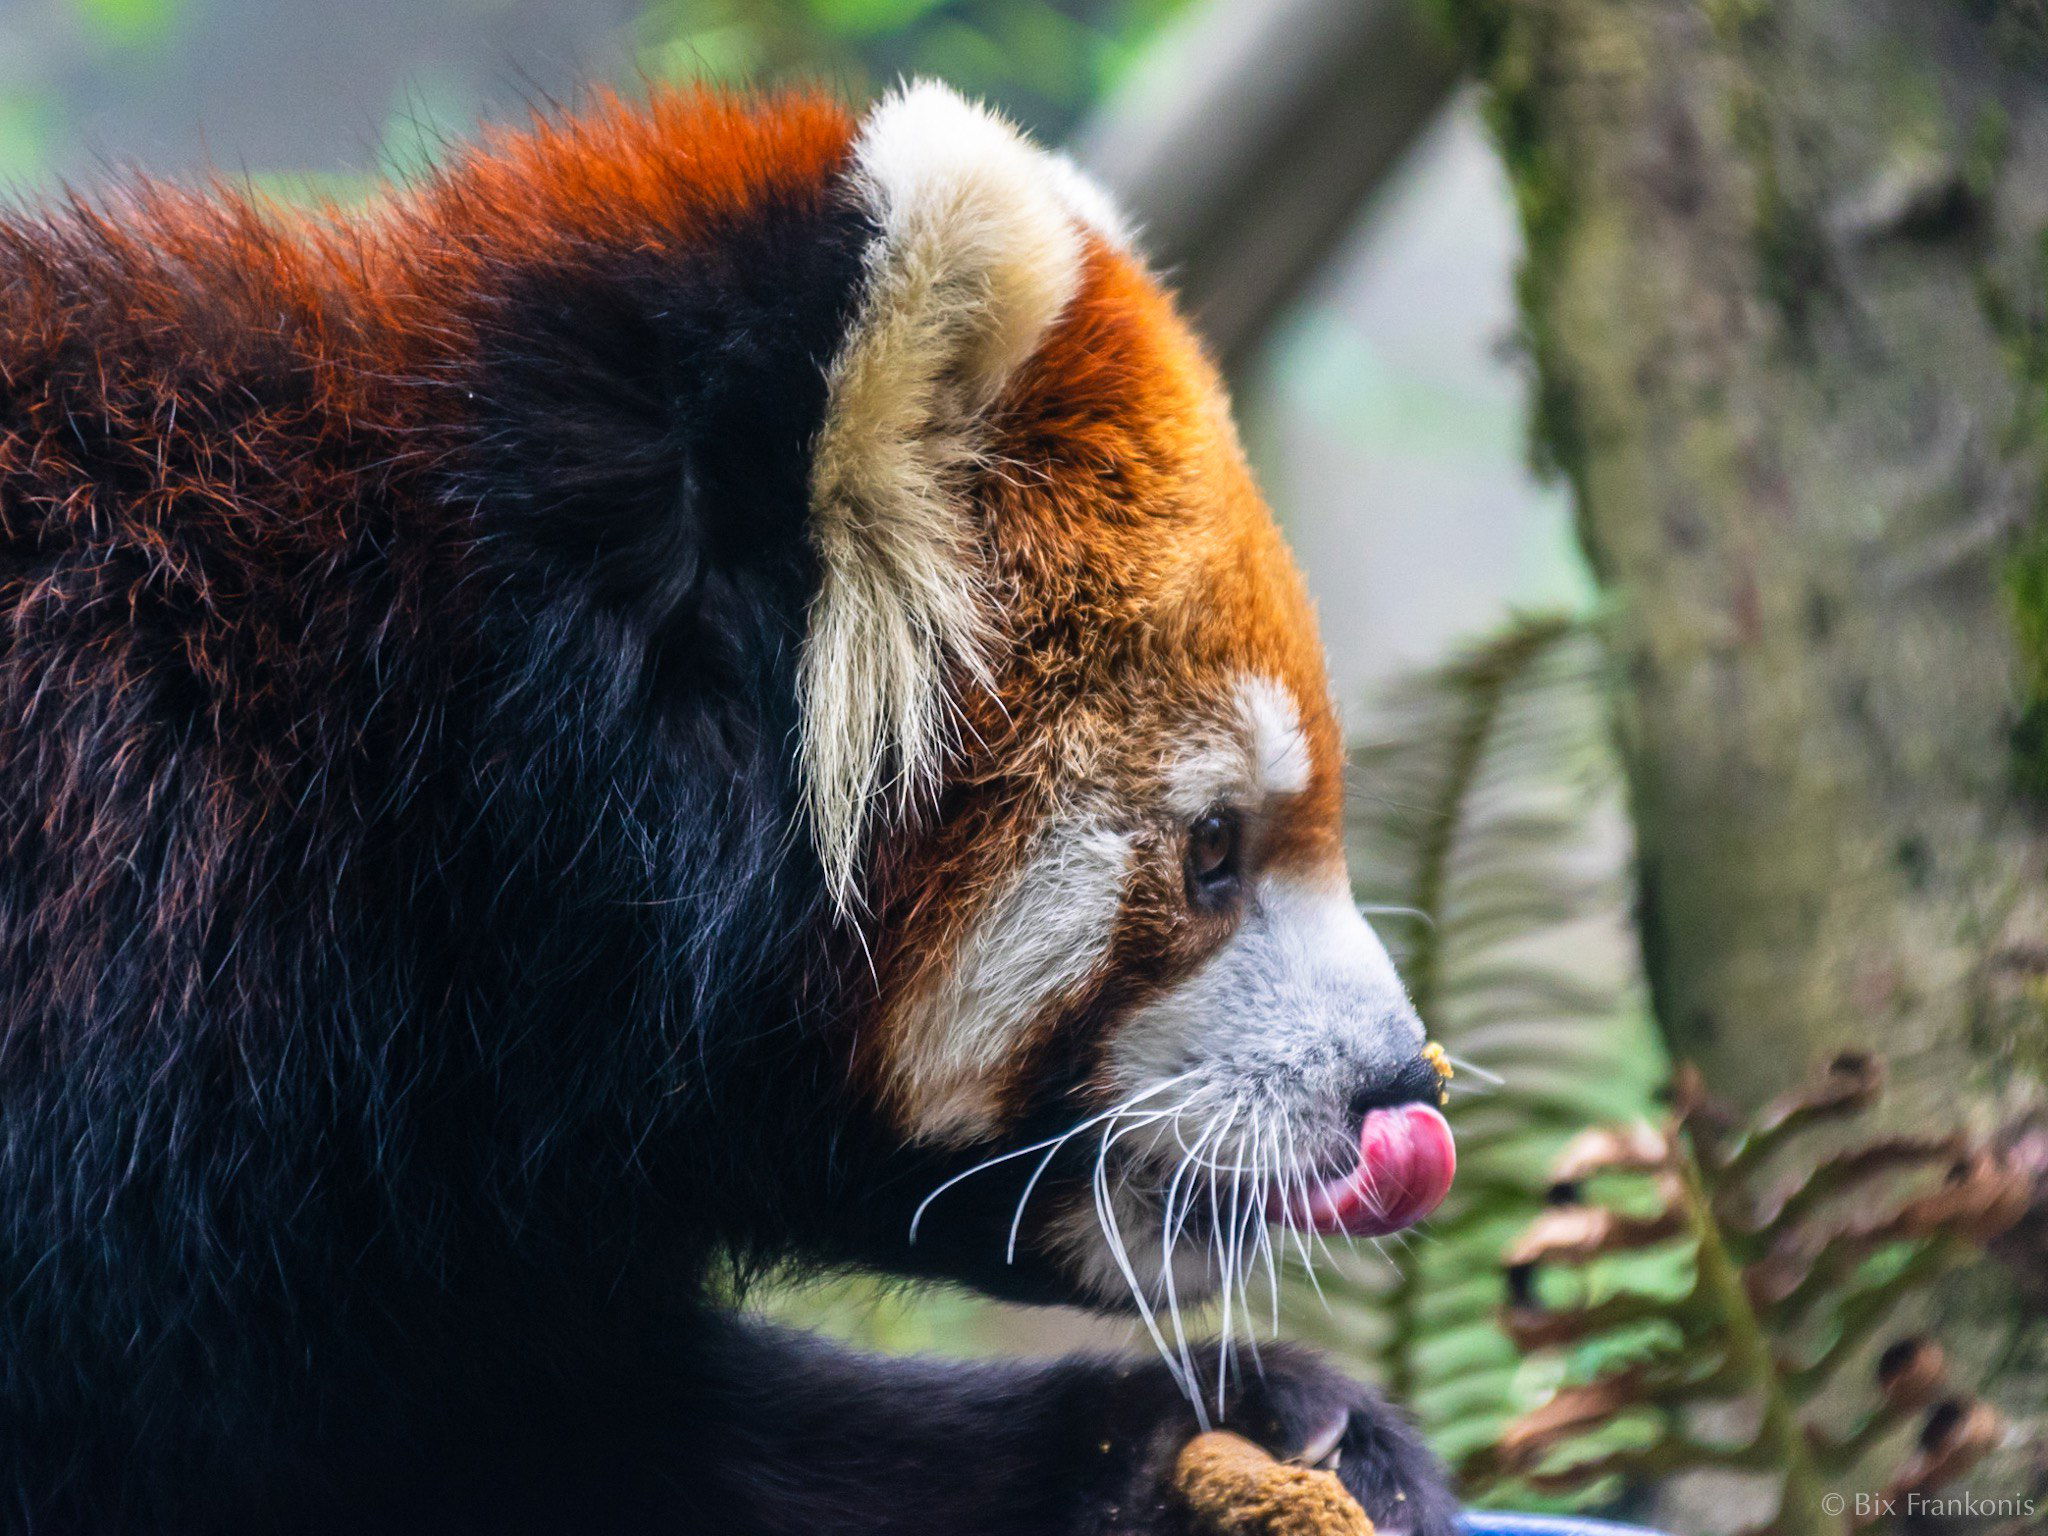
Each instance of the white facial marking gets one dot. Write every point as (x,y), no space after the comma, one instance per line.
(1303,992)
(1280,755)
(1041,937)
(1048,930)
(1257,753)
(1268,1039)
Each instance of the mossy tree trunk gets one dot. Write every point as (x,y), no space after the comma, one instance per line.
(1784,294)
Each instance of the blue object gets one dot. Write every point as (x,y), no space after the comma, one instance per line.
(1493,1522)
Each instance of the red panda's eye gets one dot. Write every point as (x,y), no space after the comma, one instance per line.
(1213,856)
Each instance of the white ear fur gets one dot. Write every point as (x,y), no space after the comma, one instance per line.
(978,252)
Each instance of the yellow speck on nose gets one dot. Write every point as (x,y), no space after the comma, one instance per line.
(1435,1056)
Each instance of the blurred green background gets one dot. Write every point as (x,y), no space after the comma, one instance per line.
(330,89)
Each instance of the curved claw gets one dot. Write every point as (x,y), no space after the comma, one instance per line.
(1324,1448)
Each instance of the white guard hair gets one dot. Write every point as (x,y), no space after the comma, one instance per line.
(1038,941)
(979,251)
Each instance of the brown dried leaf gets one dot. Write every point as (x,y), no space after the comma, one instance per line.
(1705,1118)
(1771,1280)
(1981,1196)
(1957,1435)
(1911,1373)
(1850,1082)
(1536,1327)
(1575,1234)
(1837,1175)
(2023,1247)
(1524,1443)
(1638,1148)
(1978,1198)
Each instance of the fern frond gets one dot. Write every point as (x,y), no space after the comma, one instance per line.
(1781,1288)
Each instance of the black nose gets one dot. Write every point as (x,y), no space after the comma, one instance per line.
(1415,1081)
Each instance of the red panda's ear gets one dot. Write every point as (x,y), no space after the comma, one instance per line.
(979,246)
(636,408)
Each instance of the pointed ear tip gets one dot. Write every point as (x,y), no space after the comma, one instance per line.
(926,133)
(934,101)
(966,192)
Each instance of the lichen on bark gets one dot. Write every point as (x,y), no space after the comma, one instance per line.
(2021,321)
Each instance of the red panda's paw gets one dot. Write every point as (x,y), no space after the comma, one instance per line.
(1299,1408)
(1304,1409)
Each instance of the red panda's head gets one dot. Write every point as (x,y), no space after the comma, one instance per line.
(1069,755)
(873,562)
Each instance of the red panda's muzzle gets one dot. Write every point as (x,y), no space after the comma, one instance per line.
(1406,1159)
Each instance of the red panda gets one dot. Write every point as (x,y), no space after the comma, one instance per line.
(706,689)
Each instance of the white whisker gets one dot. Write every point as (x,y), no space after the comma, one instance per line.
(1105,1215)
(1038,1146)
(1150,1117)
(1174,1220)
(1492,1078)
(1262,1205)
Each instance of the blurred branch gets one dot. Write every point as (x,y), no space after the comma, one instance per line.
(1249,140)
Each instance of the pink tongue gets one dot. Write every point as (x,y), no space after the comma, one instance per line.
(1405,1161)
